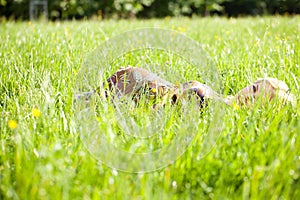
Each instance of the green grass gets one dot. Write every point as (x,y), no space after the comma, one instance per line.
(257,155)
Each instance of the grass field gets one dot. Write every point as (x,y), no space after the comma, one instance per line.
(257,155)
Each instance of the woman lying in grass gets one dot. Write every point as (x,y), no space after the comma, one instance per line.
(136,82)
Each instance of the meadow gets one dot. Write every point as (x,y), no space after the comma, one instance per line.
(42,156)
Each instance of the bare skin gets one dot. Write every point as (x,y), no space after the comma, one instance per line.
(132,80)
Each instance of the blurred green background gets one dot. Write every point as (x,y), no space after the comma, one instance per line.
(99,9)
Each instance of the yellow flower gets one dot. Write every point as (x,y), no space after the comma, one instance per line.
(218,38)
(181,29)
(236,107)
(12,124)
(36,112)
(153,90)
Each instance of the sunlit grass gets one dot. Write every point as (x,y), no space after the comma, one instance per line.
(42,156)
